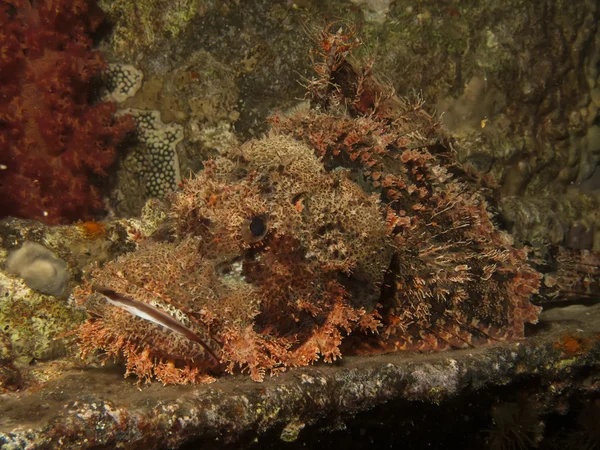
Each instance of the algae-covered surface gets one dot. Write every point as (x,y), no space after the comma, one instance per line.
(555,369)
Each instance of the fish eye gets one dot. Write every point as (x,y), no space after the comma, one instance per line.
(257,226)
(255,229)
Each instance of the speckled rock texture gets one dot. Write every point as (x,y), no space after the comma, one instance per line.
(554,368)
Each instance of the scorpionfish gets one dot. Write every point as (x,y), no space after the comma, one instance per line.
(349,227)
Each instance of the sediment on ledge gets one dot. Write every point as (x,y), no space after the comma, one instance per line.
(97,408)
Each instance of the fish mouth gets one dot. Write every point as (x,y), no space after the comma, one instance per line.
(155,315)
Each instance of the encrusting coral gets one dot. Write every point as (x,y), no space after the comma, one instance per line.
(53,140)
(351,221)
(156,162)
(122,81)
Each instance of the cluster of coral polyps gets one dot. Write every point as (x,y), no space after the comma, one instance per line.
(52,140)
(351,219)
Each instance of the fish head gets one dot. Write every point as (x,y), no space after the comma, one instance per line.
(272,259)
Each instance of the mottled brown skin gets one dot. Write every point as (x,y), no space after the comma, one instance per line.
(351,219)
(456,280)
(270,260)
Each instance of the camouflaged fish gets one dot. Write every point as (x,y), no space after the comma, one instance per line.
(348,222)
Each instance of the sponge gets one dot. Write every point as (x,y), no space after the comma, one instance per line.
(41,269)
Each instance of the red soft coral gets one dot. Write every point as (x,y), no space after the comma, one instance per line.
(52,138)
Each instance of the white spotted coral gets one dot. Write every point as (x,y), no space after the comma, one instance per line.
(156,161)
